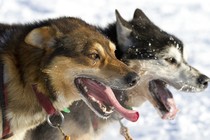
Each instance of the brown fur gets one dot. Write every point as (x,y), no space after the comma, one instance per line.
(52,54)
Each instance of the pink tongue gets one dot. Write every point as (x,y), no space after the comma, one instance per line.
(167,99)
(172,109)
(105,94)
(128,114)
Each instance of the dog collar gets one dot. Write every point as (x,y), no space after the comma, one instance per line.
(4,102)
(49,108)
(44,101)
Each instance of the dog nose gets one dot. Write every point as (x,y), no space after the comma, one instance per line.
(203,80)
(132,79)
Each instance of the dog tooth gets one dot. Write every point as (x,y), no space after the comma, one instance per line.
(85,88)
(94,99)
(109,112)
(98,102)
(103,108)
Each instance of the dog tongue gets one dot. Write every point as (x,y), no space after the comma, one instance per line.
(105,94)
(128,114)
(167,99)
(170,105)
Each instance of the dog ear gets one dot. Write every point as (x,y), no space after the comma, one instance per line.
(123,32)
(42,37)
(139,14)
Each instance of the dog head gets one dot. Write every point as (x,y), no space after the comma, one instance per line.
(144,46)
(79,62)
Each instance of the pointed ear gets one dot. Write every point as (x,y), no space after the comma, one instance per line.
(139,14)
(42,37)
(123,32)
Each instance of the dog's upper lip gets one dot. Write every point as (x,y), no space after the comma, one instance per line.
(105,95)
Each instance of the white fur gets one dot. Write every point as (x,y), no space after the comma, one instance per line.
(180,75)
(174,52)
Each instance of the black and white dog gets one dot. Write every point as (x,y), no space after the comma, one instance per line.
(147,49)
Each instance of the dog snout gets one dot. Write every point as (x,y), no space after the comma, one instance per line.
(132,79)
(203,80)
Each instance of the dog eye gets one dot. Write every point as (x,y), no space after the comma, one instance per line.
(94,56)
(171,60)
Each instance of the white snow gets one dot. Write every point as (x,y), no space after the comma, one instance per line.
(187,19)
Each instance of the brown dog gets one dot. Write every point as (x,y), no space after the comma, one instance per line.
(48,65)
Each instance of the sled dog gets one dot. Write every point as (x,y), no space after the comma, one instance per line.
(47,65)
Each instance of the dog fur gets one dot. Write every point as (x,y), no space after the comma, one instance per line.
(52,54)
(144,47)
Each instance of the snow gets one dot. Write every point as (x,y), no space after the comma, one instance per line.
(187,19)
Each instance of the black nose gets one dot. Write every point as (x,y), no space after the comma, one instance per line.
(203,80)
(132,79)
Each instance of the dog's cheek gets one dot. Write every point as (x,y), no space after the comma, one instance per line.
(61,72)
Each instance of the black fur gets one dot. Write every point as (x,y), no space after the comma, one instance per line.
(147,39)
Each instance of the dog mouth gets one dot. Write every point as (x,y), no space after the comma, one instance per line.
(165,102)
(101,99)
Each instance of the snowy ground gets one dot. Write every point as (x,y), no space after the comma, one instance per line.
(187,19)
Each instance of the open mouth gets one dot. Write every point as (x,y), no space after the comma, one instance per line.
(101,99)
(164,99)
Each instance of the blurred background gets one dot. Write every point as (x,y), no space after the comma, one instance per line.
(187,19)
